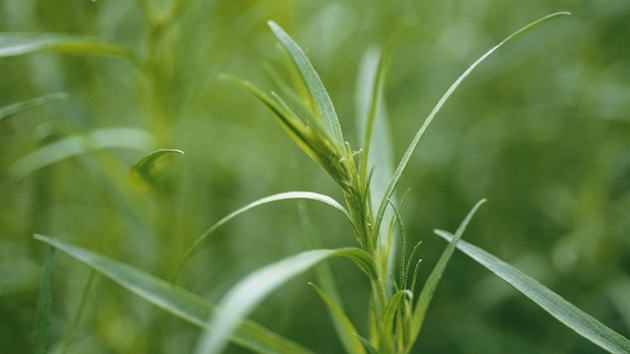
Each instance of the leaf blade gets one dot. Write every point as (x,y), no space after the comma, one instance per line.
(565,312)
(316,87)
(426,294)
(272,198)
(250,291)
(402,165)
(175,300)
(15,44)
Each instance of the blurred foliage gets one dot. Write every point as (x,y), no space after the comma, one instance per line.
(542,130)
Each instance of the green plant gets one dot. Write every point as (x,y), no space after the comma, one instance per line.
(395,314)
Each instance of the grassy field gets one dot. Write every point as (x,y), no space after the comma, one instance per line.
(541,129)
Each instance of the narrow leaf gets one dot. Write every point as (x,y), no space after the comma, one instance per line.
(348,327)
(106,138)
(14,44)
(314,83)
(426,294)
(565,312)
(326,280)
(273,198)
(176,300)
(19,107)
(44,307)
(386,340)
(414,143)
(143,172)
(252,290)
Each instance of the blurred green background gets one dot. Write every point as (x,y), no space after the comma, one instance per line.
(541,129)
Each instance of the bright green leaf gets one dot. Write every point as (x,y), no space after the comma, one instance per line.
(143,172)
(562,310)
(316,87)
(176,300)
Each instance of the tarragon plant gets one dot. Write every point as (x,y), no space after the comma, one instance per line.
(395,313)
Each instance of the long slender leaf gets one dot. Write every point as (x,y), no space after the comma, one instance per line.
(44,307)
(19,107)
(314,83)
(273,198)
(176,300)
(414,143)
(565,312)
(249,292)
(326,281)
(426,294)
(14,44)
(106,138)
(356,347)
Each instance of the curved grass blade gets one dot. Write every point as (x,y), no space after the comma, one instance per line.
(565,312)
(355,345)
(127,138)
(11,110)
(426,294)
(316,88)
(44,307)
(273,198)
(252,290)
(14,44)
(143,172)
(176,300)
(414,143)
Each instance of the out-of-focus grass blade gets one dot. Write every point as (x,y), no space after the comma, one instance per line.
(414,143)
(176,300)
(355,345)
(44,307)
(272,198)
(314,83)
(143,172)
(249,292)
(14,44)
(16,108)
(126,138)
(426,294)
(574,318)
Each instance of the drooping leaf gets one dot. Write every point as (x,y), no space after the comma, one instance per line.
(315,86)
(253,289)
(176,300)
(19,107)
(402,165)
(356,347)
(565,312)
(426,294)
(273,198)
(14,44)
(106,138)
(143,172)
(44,307)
